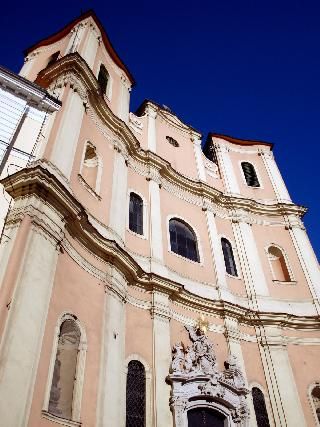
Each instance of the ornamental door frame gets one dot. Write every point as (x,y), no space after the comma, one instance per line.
(196,382)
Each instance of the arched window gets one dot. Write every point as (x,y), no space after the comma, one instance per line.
(260,408)
(205,417)
(64,374)
(183,240)
(315,394)
(53,58)
(136,213)
(278,264)
(90,166)
(103,79)
(250,174)
(136,395)
(228,257)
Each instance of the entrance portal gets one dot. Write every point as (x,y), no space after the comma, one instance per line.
(204,417)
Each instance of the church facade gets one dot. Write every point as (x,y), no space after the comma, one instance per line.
(148,279)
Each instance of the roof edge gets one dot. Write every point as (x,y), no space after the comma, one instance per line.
(239,141)
(140,110)
(106,41)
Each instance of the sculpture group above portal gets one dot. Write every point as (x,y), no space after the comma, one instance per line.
(197,358)
(196,380)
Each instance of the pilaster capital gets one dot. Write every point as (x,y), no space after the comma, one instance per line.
(151,110)
(116,285)
(160,309)
(266,153)
(241,217)
(196,140)
(294,222)
(271,336)
(154,175)
(231,331)
(121,149)
(221,148)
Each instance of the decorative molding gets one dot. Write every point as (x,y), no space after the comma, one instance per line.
(195,376)
(135,123)
(88,187)
(73,70)
(30,186)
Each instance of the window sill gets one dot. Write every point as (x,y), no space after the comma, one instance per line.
(88,187)
(280,282)
(186,259)
(140,236)
(233,277)
(58,420)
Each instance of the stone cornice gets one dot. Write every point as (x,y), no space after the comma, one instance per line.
(40,183)
(73,70)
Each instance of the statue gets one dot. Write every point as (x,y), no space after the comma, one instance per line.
(200,355)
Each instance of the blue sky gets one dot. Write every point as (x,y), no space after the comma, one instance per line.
(249,69)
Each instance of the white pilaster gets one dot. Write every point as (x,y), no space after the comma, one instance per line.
(307,257)
(155,221)
(161,350)
(124,100)
(152,136)
(68,134)
(251,266)
(232,335)
(227,170)
(7,242)
(90,47)
(22,339)
(216,251)
(275,177)
(75,39)
(119,208)
(284,397)
(112,387)
(199,159)
(28,62)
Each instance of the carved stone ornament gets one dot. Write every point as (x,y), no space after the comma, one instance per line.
(197,382)
(135,123)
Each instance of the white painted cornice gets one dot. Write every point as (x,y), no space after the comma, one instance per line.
(73,70)
(35,95)
(38,187)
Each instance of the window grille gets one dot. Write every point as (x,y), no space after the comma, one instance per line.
(183,240)
(260,408)
(103,79)
(135,395)
(250,174)
(316,401)
(136,214)
(172,141)
(228,257)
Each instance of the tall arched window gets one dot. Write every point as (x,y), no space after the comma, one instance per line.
(315,394)
(278,264)
(183,240)
(53,58)
(136,395)
(260,408)
(103,79)
(136,213)
(228,257)
(250,174)
(64,374)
